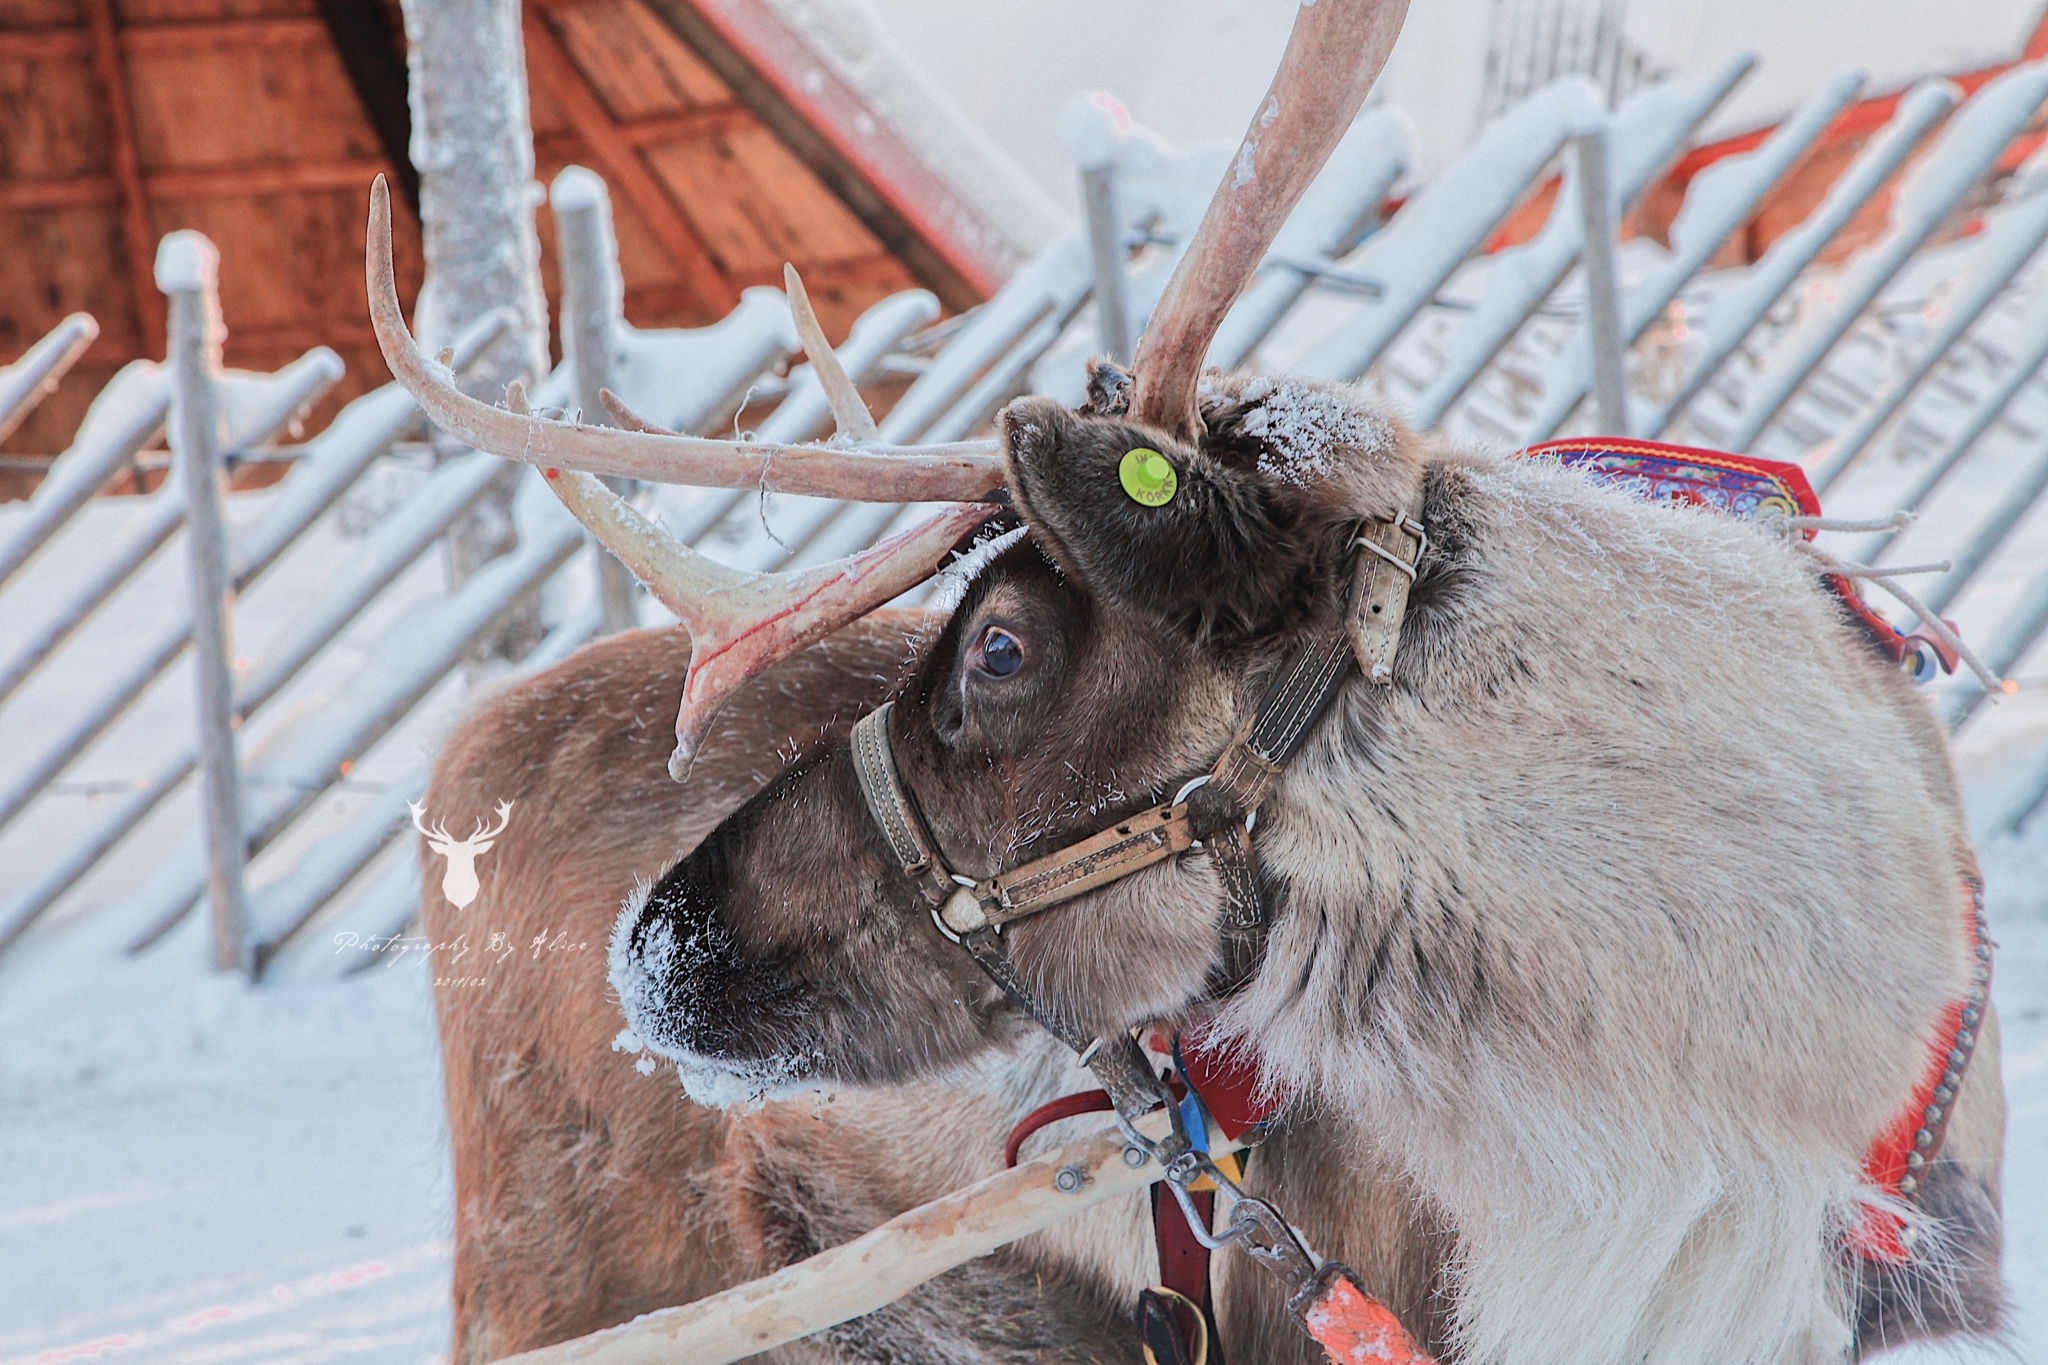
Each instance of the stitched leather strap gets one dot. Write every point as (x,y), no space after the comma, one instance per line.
(1390,552)
(1245,920)
(874,762)
(1151,836)
(1290,708)
(993,956)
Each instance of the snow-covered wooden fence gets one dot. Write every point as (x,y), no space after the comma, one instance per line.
(1905,376)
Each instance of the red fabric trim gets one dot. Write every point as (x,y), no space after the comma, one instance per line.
(1228,1083)
(1876,1236)
(1790,477)
(1065,1107)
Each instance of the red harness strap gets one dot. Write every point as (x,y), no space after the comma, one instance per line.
(1896,1162)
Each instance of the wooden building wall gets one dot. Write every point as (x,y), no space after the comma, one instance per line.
(121,120)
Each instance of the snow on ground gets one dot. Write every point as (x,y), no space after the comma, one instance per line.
(192,1170)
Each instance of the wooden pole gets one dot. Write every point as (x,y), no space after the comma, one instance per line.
(187,271)
(874,1270)
(473,144)
(1603,289)
(1106,247)
(593,311)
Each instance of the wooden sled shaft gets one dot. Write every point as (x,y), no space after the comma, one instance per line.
(877,1268)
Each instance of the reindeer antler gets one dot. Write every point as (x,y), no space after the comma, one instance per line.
(963,471)
(1333,56)
(741,623)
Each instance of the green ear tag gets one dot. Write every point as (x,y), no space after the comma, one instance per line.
(1147,477)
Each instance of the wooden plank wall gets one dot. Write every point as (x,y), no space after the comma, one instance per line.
(126,119)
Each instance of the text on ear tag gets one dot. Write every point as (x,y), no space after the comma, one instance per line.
(1147,477)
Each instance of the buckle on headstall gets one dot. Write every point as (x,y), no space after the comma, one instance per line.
(1401,521)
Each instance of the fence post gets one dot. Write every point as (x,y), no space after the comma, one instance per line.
(1105,244)
(1603,290)
(1090,130)
(593,308)
(187,271)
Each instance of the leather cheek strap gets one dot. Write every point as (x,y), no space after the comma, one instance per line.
(1390,552)
(889,805)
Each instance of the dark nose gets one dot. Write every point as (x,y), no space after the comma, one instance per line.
(688,988)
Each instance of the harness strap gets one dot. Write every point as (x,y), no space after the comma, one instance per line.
(1293,702)
(1331,1308)
(1245,921)
(1115,1060)
(1149,837)
(1379,591)
(874,762)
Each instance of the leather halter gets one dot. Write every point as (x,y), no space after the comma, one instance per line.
(1214,812)
(1217,820)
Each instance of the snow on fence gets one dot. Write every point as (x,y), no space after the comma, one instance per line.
(1905,377)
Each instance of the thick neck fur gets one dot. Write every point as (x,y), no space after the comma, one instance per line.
(1616,926)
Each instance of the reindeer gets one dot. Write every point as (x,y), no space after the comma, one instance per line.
(459,883)
(587,1192)
(1624,1000)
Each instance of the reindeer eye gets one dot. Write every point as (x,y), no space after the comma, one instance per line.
(1001,653)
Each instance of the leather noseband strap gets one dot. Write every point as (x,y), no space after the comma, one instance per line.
(1213,813)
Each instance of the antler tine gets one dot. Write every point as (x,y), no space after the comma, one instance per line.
(740,623)
(849,410)
(1333,56)
(963,471)
(626,417)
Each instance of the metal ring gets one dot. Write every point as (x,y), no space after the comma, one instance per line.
(1193,783)
(940,924)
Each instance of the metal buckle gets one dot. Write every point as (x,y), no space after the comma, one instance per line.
(1421,534)
(1405,523)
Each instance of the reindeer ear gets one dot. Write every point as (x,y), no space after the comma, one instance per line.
(1203,539)
(1109,388)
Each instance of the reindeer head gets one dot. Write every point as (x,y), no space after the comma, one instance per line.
(459,883)
(1102,652)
